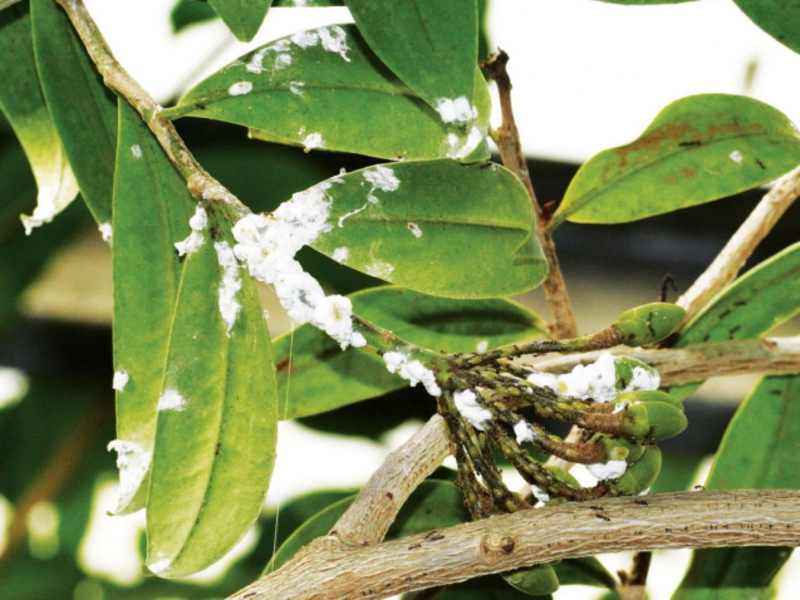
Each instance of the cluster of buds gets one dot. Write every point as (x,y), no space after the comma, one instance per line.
(494,402)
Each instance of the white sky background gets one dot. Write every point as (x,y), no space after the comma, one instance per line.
(587,75)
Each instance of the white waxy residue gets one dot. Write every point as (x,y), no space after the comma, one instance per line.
(597,381)
(341,254)
(133,463)
(198,223)
(268,244)
(282,57)
(524,432)
(334,39)
(120,380)
(312,140)
(540,494)
(230,285)
(613,469)
(106,232)
(172,400)
(457,110)
(482,346)
(467,404)
(382,178)
(296,87)
(380,269)
(412,370)
(460,146)
(240,88)
(415,230)
(736,156)
(136,150)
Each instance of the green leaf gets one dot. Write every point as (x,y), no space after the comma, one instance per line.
(22,102)
(242,17)
(698,149)
(438,227)
(755,303)
(83,110)
(433,505)
(431,46)
(645,2)
(779,18)
(152,207)
(324,88)
(320,377)
(216,426)
(759,451)
(186,13)
(584,571)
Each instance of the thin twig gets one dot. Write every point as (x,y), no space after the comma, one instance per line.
(327,569)
(200,183)
(698,362)
(633,584)
(510,147)
(373,511)
(731,259)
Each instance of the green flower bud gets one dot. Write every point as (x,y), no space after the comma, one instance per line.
(633,371)
(538,580)
(651,415)
(640,475)
(649,323)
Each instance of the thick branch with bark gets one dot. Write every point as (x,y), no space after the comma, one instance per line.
(329,570)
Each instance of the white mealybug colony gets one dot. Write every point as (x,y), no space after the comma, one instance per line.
(133,463)
(598,381)
(467,404)
(736,156)
(268,244)
(312,141)
(136,150)
(230,285)
(120,380)
(398,361)
(106,232)
(341,254)
(198,223)
(240,88)
(457,110)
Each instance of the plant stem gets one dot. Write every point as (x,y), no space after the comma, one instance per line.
(201,185)
(699,362)
(328,569)
(374,509)
(731,259)
(510,147)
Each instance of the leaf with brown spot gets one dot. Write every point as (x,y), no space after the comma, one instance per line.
(698,149)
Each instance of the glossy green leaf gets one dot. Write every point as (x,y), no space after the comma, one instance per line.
(320,377)
(152,208)
(438,227)
(84,111)
(645,2)
(431,46)
(242,17)
(759,451)
(433,505)
(216,426)
(584,571)
(755,303)
(698,149)
(779,18)
(186,13)
(324,88)
(22,102)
